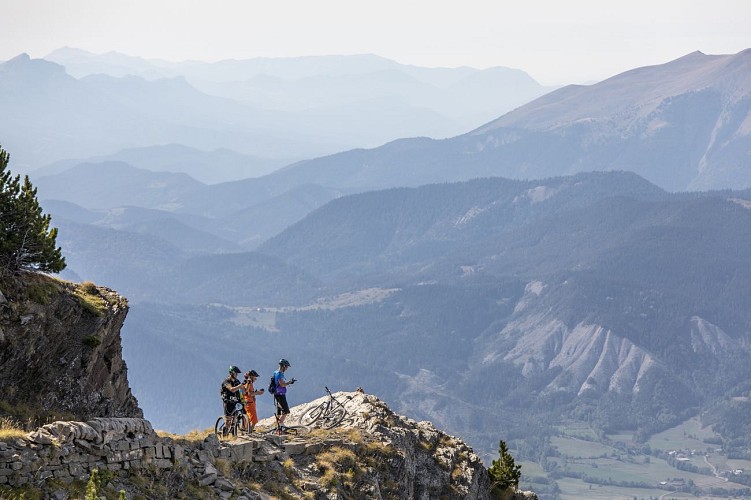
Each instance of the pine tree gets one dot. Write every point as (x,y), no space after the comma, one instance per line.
(504,472)
(26,240)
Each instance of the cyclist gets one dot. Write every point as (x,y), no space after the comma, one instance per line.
(249,395)
(280,398)
(230,391)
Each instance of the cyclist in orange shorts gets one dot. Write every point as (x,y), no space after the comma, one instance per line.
(249,396)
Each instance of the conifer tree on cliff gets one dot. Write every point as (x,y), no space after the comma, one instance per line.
(504,472)
(26,240)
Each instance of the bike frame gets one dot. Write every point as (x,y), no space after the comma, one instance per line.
(231,422)
(331,412)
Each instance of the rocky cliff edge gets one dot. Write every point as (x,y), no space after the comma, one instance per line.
(372,453)
(60,351)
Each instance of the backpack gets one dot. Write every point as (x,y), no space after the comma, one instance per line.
(272,385)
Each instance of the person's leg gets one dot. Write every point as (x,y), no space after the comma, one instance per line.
(284,410)
(251,407)
(249,411)
(278,414)
(228,419)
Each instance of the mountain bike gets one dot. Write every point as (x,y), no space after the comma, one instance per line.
(240,423)
(328,414)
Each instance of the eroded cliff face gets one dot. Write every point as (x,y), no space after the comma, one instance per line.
(60,351)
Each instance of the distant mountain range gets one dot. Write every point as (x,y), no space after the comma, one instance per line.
(106,192)
(275,110)
(209,167)
(320,85)
(683,125)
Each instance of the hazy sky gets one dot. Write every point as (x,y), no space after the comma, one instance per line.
(555,41)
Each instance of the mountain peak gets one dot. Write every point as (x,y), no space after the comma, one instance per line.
(20,58)
(24,65)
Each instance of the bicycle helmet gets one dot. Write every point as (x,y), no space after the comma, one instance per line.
(284,362)
(233,369)
(251,373)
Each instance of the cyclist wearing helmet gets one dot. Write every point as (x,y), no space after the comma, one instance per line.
(230,391)
(282,407)
(249,394)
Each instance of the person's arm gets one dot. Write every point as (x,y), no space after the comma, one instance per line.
(233,388)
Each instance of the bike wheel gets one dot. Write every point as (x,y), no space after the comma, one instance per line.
(242,424)
(219,427)
(333,418)
(313,414)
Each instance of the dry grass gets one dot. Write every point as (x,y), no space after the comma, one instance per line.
(224,467)
(338,466)
(88,287)
(456,473)
(9,429)
(426,445)
(90,298)
(194,436)
(377,448)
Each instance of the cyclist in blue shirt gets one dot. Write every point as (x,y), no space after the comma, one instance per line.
(280,397)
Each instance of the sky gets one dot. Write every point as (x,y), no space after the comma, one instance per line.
(555,41)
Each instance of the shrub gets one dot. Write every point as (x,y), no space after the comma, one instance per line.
(93,485)
(41,293)
(92,341)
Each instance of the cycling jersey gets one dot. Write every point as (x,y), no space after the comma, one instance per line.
(279,375)
(228,395)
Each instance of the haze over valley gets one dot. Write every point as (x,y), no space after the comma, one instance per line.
(566,268)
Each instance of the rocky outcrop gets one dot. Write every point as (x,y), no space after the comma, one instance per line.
(60,355)
(424,462)
(375,453)
(60,350)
